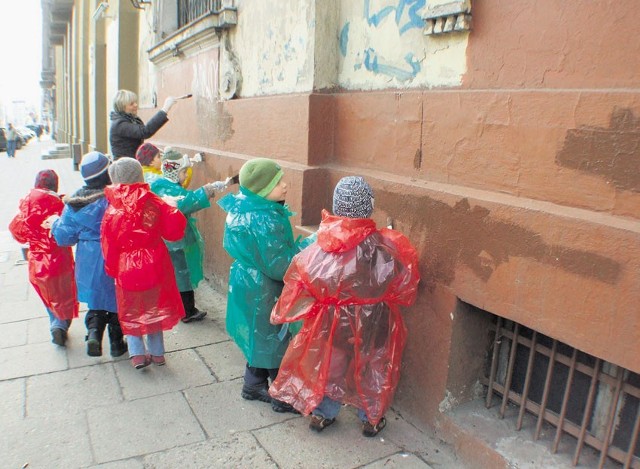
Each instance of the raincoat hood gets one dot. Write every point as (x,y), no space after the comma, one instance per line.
(127,197)
(340,234)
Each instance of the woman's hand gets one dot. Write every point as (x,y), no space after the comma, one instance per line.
(168,104)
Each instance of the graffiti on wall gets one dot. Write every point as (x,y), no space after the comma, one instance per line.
(405,15)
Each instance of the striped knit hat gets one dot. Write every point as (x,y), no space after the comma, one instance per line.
(353,198)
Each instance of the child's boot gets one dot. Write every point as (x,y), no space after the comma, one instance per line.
(96,321)
(256,392)
(116,340)
(94,342)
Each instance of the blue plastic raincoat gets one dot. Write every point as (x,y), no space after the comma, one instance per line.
(187,254)
(258,236)
(80,224)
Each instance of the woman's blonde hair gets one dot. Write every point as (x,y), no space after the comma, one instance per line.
(122,99)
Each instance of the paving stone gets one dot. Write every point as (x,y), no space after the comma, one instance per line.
(122,431)
(225,359)
(13,334)
(12,310)
(403,460)
(135,463)
(184,369)
(31,359)
(222,411)
(194,334)
(239,451)
(348,447)
(76,391)
(12,400)
(49,442)
(38,330)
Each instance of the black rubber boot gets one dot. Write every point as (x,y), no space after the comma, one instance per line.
(256,392)
(96,321)
(94,343)
(116,338)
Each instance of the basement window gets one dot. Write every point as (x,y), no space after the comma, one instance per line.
(587,401)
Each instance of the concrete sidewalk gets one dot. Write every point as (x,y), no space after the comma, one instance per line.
(60,408)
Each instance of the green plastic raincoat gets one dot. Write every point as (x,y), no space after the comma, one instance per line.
(258,236)
(187,254)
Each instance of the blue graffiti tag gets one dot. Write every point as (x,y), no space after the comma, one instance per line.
(372,64)
(414,19)
(344,39)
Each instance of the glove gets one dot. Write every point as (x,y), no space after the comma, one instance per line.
(214,187)
(168,104)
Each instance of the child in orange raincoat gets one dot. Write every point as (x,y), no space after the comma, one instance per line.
(347,288)
(50,266)
(134,228)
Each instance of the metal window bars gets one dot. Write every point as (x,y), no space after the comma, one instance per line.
(596,402)
(191,10)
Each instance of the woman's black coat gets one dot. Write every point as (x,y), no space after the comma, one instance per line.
(128,132)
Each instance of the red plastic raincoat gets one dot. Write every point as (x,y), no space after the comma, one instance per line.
(133,229)
(50,266)
(348,288)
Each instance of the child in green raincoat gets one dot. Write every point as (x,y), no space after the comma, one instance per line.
(187,254)
(259,237)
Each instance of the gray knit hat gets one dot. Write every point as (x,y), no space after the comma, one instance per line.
(126,171)
(353,198)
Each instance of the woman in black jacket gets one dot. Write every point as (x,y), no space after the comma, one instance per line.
(128,131)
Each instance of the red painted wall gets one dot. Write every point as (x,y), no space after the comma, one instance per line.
(521,189)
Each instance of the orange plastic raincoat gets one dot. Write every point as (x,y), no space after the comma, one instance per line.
(348,288)
(133,229)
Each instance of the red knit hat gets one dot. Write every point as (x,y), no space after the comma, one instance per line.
(146,153)
(47,179)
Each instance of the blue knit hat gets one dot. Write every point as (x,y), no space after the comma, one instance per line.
(353,198)
(93,164)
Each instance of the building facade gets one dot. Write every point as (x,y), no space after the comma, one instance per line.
(503,138)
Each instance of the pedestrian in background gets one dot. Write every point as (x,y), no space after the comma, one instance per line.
(80,224)
(348,288)
(127,130)
(187,253)
(12,137)
(51,266)
(134,227)
(258,236)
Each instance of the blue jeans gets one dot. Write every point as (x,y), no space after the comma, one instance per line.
(329,409)
(155,344)
(55,323)
(11,148)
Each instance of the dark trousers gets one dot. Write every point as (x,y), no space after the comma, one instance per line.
(254,376)
(188,301)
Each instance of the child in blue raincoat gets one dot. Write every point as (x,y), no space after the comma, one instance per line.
(80,224)
(187,254)
(259,237)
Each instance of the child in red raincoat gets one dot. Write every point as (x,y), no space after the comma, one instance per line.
(348,288)
(50,266)
(134,228)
